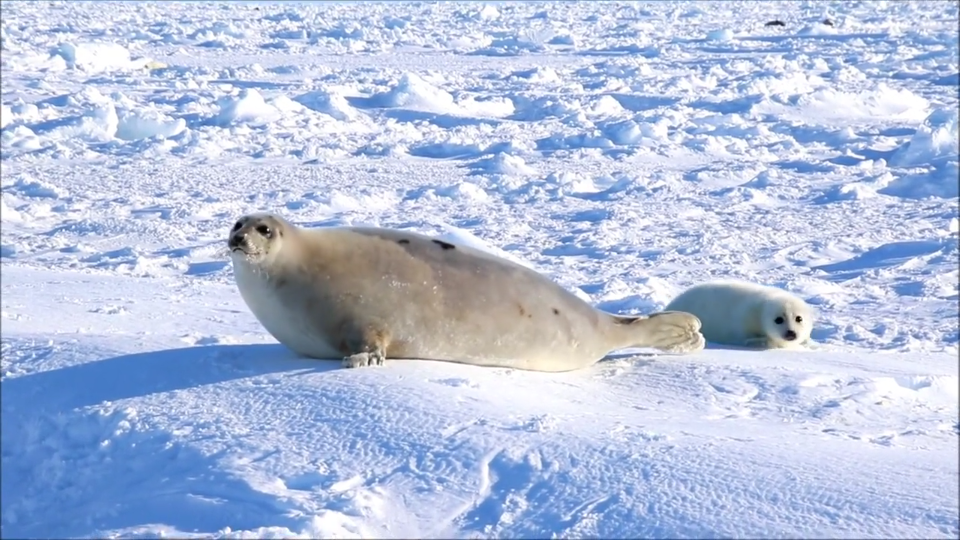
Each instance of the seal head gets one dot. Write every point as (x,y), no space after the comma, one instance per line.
(258,237)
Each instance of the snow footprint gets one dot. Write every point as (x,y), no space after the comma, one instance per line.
(196,339)
(456,382)
(506,477)
(732,397)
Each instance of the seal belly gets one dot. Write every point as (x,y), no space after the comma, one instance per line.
(278,319)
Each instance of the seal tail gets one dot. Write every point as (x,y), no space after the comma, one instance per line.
(671,331)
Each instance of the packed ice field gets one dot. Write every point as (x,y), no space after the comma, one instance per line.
(626,150)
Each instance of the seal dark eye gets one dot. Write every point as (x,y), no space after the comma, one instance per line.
(236,226)
(265,231)
(799,319)
(778,320)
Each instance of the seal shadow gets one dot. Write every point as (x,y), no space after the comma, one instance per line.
(141,374)
(143,475)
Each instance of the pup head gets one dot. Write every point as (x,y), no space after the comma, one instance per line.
(787,321)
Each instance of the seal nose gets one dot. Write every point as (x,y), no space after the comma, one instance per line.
(236,239)
(790,335)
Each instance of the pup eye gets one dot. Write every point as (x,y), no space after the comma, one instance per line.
(237,225)
(778,320)
(264,230)
(799,319)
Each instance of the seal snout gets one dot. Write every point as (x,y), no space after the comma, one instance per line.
(237,241)
(789,335)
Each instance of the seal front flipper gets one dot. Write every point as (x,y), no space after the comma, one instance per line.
(364,359)
(670,331)
(364,348)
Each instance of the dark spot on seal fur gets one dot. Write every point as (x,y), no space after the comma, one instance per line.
(775,23)
(522,311)
(403,241)
(281,281)
(444,245)
(556,311)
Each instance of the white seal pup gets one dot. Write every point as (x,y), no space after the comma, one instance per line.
(368,294)
(747,314)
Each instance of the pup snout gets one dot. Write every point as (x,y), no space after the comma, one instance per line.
(790,335)
(236,240)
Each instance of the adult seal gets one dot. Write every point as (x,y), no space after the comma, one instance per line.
(748,315)
(369,294)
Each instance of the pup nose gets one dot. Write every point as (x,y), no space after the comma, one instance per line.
(790,335)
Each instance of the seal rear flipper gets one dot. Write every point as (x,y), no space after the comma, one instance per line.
(671,331)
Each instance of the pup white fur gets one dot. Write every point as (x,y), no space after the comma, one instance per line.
(747,314)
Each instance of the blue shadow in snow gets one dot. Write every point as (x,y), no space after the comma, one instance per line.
(891,254)
(206,268)
(59,391)
(867,153)
(445,121)
(442,120)
(639,103)
(115,478)
(823,37)
(447,151)
(625,50)
(804,166)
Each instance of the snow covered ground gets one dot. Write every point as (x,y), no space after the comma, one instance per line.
(627,150)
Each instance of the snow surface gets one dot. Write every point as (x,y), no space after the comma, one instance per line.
(627,150)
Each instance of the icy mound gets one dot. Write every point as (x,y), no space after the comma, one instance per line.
(505,164)
(99,57)
(414,93)
(934,142)
(828,105)
(542,75)
(629,132)
(485,14)
(935,145)
(724,34)
(471,41)
(463,191)
(31,188)
(817,30)
(7,212)
(247,107)
(331,104)
(145,123)
(97,118)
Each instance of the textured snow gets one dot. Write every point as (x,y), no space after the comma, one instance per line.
(627,150)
